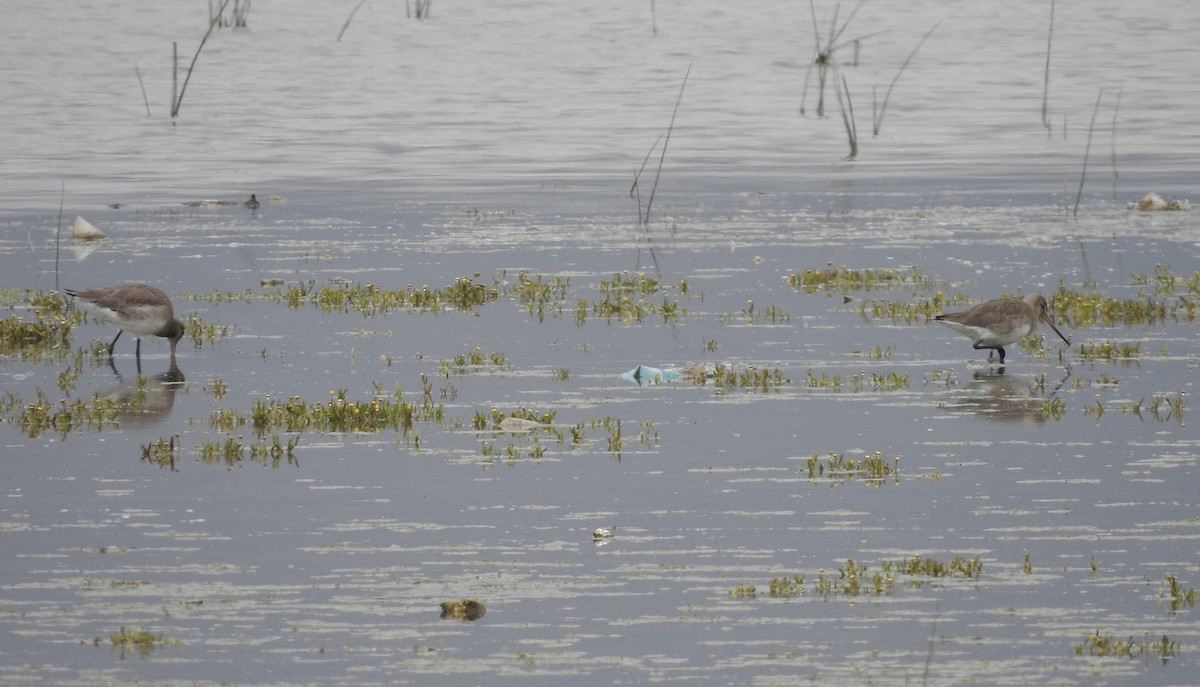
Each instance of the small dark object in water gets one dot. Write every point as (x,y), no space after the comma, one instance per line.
(463,609)
(252,203)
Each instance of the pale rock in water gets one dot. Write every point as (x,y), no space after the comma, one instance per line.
(85,230)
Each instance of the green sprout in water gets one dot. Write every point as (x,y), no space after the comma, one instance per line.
(142,641)
(873,469)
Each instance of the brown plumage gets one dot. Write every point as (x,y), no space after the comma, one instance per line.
(1001,321)
(139,309)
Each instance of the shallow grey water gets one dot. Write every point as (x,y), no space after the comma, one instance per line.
(497,140)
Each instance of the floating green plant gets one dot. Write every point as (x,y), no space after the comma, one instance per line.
(476,358)
(1178,595)
(142,641)
(340,414)
(873,469)
(842,279)
(1166,282)
(727,377)
(1097,644)
(34,338)
(1109,351)
(370,299)
(890,381)
(907,312)
(931,567)
(1053,408)
(540,295)
(1075,309)
(41,414)
(161,452)
(854,580)
(744,591)
(233,451)
(751,314)
(787,586)
(205,332)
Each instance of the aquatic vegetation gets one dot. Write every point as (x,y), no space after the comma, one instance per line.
(539,295)
(874,353)
(161,452)
(204,332)
(890,381)
(35,338)
(512,452)
(475,358)
(787,586)
(1109,351)
(340,414)
(752,315)
(41,414)
(873,469)
(1097,644)
(233,451)
(922,310)
(1053,408)
(217,296)
(1075,309)
(843,279)
(854,580)
(495,417)
(142,641)
(465,610)
(1178,595)
(917,565)
(1166,282)
(371,300)
(744,591)
(728,377)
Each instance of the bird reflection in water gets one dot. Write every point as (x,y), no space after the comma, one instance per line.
(145,400)
(997,396)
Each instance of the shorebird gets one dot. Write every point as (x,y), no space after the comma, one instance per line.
(1002,321)
(252,203)
(138,309)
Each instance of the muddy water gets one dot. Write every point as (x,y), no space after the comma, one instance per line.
(416,153)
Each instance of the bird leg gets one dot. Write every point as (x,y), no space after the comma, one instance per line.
(113,345)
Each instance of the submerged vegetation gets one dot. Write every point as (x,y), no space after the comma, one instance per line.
(854,579)
(873,469)
(842,279)
(141,641)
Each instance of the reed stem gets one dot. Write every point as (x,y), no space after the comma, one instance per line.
(1086,151)
(177,101)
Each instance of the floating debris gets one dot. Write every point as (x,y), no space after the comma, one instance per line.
(1153,201)
(466,610)
(601,533)
(85,230)
(272,281)
(644,375)
(518,424)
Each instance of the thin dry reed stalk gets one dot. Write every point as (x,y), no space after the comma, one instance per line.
(349,19)
(644,217)
(847,120)
(1086,151)
(177,101)
(878,121)
(1046,79)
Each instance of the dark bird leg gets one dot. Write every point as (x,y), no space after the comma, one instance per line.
(113,345)
(138,352)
